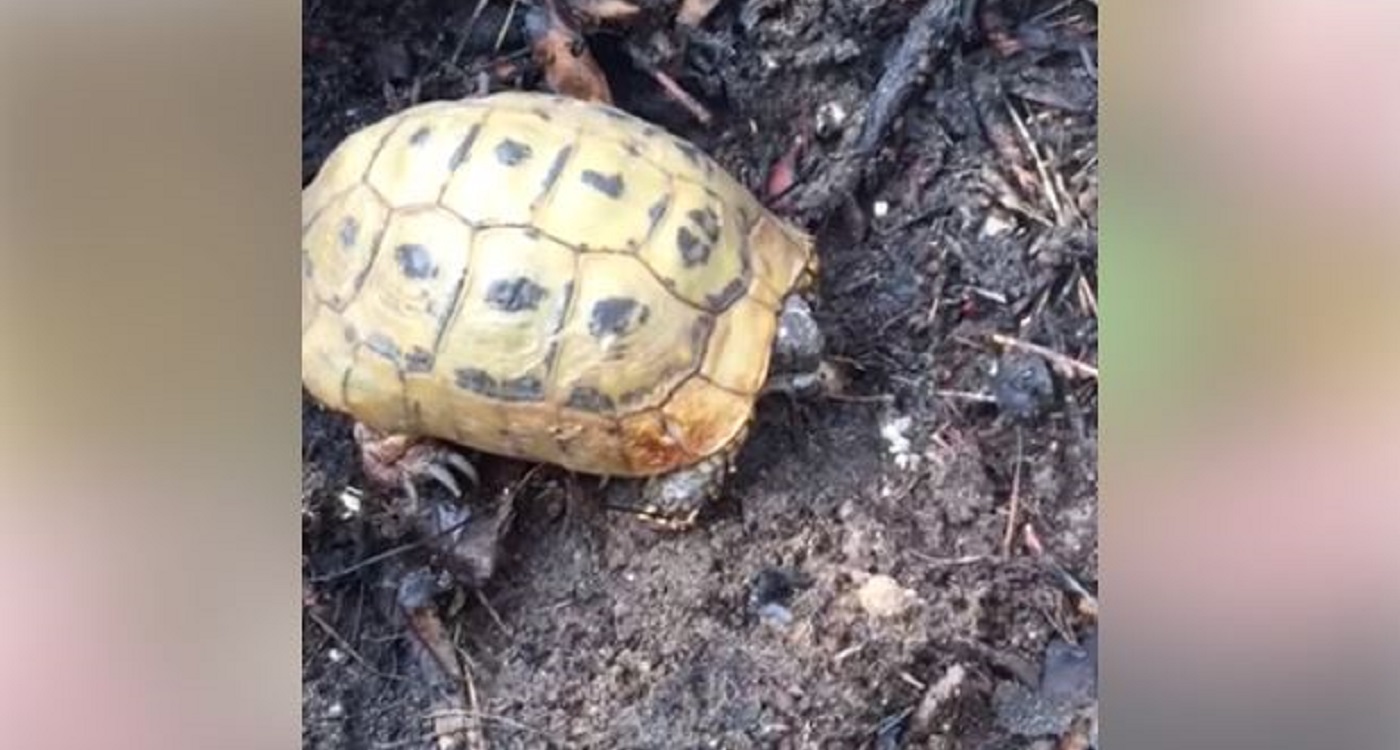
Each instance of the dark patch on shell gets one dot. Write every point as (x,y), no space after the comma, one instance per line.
(615,316)
(631,399)
(511,152)
(609,185)
(658,210)
(351,335)
(420,136)
(418,360)
(707,220)
(726,296)
(515,295)
(694,252)
(555,169)
(415,261)
(476,381)
(308,268)
(349,232)
(526,388)
(590,399)
(700,332)
(383,346)
(463,150)
(690,152)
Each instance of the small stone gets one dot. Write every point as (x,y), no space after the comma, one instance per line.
(997,224)
(831,116)
(775,614)
(1023,386)
(880,209)
(882,596)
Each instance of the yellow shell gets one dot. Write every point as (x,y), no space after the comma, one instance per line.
(542,278)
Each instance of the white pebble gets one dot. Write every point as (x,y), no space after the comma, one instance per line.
(350,502)
(881,208)
(882,596)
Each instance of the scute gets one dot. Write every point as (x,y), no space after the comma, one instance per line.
(704,418)
(601,197)
(500,343)
(699,248)
(409,294)
(344,168)
(628,342)
(419,155)
(341,243)
(506,168)
(737,358)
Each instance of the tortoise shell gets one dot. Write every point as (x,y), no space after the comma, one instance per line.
(543,278)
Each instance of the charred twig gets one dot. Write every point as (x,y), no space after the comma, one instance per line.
(1066,365)
(930,32)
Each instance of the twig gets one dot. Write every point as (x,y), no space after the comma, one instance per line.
(952,562)
(475,733)
(1086,292)
(466,32)
(682,97)
(980,398)
(505,26)
(490,610)
(389,553)
(335,635)
(1068,365)
(503,721)
(1088,603)
(1047,185)
(1014,511)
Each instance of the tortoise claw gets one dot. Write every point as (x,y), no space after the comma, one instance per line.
(444,478)
(401,460)
(463,466)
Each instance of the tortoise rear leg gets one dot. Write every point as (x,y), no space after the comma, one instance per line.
(393,460)
(674,501)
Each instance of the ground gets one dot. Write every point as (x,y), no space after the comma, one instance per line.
(898,567)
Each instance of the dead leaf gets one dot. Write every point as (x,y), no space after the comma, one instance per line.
(569,68)
(694,12)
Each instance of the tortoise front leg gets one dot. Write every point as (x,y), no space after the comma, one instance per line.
(393,460)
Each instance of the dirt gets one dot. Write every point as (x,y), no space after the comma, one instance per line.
(976,215)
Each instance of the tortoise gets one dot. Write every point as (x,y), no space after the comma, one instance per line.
(552,280)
